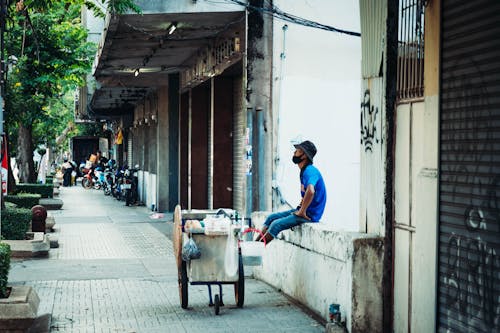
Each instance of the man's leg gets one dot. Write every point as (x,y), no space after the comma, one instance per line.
(270,219)
(284,223)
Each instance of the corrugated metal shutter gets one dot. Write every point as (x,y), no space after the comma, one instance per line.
(373,19)
(469,226)
(238,145)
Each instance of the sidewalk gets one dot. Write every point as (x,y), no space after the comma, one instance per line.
(114,271)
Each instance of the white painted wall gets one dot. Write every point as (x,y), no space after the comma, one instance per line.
(147,188)
(316,89)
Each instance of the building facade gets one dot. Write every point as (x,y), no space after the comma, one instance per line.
(171,80)
(429,164)
(190,85)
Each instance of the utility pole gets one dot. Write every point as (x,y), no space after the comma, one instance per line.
(3,19)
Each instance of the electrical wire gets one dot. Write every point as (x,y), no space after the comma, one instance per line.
(278,13)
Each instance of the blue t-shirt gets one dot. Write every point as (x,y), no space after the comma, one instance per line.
(312,176)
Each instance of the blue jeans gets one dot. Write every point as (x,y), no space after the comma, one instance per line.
(278,222)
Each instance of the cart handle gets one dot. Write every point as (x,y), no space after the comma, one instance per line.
(247,230)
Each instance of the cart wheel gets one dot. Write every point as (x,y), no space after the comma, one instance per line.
(177,236)
(183,286)
(217,304)
(239,287)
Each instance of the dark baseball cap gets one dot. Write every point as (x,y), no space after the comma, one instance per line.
(308,148)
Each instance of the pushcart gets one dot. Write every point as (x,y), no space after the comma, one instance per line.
(209,268)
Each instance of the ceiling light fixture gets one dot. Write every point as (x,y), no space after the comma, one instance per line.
(136,72)
(172,28)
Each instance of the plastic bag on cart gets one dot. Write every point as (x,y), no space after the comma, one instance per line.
(231,257)
(190,250)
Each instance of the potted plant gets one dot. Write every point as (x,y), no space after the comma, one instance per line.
(18,304)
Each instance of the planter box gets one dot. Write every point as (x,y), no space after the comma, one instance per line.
(19,310)
(51,204)
(37,245)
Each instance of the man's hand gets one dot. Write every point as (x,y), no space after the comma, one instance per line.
(302,214)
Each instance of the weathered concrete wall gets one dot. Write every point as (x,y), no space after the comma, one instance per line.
(366,297)
(324,267)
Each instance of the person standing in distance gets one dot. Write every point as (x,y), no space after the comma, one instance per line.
(312,191)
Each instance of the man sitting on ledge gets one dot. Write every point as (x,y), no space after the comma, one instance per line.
(312,191)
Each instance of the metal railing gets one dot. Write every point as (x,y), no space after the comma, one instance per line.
(410,77)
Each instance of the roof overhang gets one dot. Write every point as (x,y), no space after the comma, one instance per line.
(139,51)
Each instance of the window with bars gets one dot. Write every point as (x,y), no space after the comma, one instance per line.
(410,77)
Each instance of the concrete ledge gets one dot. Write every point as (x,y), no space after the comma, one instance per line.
(334,328)
(19,310)
(51,204)
(324,267)
(38,246)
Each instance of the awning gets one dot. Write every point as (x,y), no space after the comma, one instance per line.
(138,51)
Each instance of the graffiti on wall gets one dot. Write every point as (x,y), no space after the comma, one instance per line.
(368,123)
(473,265)
(470,253)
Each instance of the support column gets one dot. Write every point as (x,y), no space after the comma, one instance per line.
(379,27)
(163,161)
(259,74)
(174,141)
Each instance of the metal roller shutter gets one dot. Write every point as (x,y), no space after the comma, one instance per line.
(469,225)
(238,145)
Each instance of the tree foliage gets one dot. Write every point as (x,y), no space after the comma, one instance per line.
(113,6)
(52,57)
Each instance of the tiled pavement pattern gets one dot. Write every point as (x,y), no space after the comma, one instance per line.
(115,272)
(109,241)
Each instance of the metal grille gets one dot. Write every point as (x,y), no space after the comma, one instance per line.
(469,191)
(411,49)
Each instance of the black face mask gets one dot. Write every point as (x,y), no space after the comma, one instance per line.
(297,159)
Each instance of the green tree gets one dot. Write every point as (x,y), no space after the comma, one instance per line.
(53,58)
(113,6)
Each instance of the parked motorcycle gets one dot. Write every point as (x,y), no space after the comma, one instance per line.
(88,179)
(108,178)
(93,178)
(129,185)
(116,189)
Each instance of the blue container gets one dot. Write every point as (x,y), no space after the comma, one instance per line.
(334,312)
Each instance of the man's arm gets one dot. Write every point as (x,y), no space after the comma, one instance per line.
(306,201)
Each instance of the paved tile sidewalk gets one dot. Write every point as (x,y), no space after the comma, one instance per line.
(115,272)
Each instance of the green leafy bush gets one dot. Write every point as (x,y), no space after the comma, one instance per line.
(10,205)
(45,190)
(15,222)
(24,200)
(4,268)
